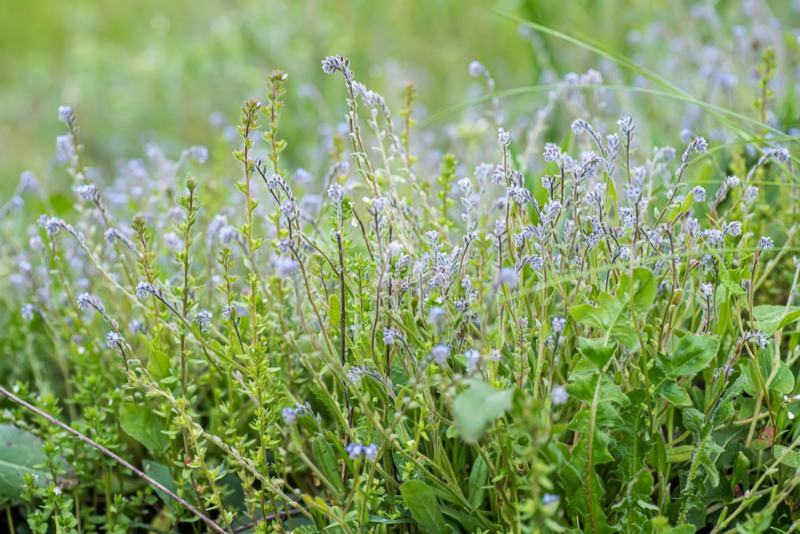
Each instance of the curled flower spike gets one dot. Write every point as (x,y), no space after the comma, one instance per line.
(699,194)
(87,300)
(114,340)
(143,289)
(503,137)
(65,114)
(333,64)
(203,319)
(477,69)
(389,335)
(558,324)
(336,194)
(626,125)
(765,243)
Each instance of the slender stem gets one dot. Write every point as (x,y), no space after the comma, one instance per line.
(205,519)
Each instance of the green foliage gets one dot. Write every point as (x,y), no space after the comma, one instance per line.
(21,456)
(477,407)
(421,502)
(533,318)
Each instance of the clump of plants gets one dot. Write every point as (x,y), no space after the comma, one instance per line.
(585,334)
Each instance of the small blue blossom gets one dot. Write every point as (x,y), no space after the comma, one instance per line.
(203,319)
(765,243)
(440,353)
(358,450)
(114,340)
(473,360)
(559,395)
(549,498)
(28,311)
(143,289)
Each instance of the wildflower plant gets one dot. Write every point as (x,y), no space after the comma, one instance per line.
(596,335)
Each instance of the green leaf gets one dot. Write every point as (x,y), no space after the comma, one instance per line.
(780,380)
(160,473)
(694,421)
(787,457)
(644,289)
(596,351)
(671,391)
(772,318)
(682,208)
(693,354)
(740,468)
(466,519)
(158,365)
(20,454)
(658,454)
(335,311)
(725,279)
(326,460)
(611,316)
(421,502)
(140,423)
(477,407)
(783,381)
(679,454)
(478,478)
(582,386)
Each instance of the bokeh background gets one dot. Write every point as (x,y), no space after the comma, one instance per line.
(154,70)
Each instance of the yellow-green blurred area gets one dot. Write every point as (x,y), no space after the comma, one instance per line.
(155,70)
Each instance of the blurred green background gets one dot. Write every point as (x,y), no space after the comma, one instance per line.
(156,70)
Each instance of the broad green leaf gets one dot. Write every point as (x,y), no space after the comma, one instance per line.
(783,381)
(787,457)
(671,391)
(20,454)
(780,380)
(477,407)
(611,316)
(596,351)
(694,421)
(466,519)
(582,386)
(606,418)
(421,502)
(693,354)
(478,478)
(140,423)
(658,454)
(740,468)
(682,208)
(644,289)
(726,280)
(326,460)
(158,365)
(635,501)
(161,474)
(772,318)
